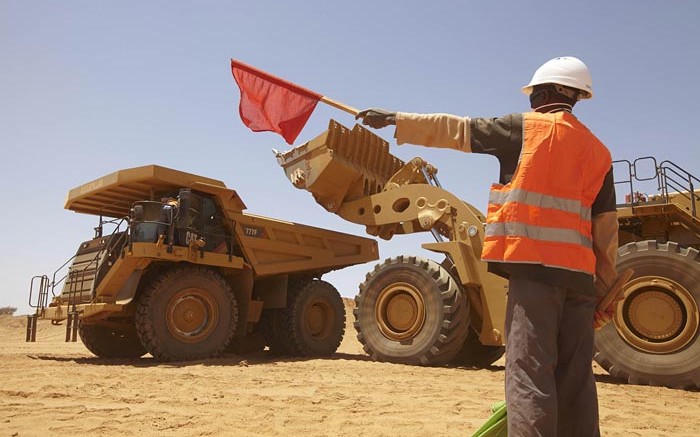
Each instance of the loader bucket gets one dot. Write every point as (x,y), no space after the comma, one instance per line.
(340,165)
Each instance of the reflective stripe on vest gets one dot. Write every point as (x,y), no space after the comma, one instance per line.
(540,200)
(545,233)
(551,254)
(556,235)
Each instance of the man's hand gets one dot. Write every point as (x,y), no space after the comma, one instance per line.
(608,302)
(602,318)
(376,118)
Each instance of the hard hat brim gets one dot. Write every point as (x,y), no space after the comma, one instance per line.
(527,89)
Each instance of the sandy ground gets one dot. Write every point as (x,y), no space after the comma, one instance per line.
(56,388)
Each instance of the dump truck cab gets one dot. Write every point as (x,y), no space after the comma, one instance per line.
(178,269)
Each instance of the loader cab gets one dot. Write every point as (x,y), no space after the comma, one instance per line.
(183,219)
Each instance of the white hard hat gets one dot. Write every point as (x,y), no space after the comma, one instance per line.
(564,70)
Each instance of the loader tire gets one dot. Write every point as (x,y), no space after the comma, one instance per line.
(314,320)
(411,311)
(472,353)
(111,342)
(475,354)
(653,337)
(186,313)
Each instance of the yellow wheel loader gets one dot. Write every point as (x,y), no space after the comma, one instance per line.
(417,311)
(184,273)
(654,335)
(409,309)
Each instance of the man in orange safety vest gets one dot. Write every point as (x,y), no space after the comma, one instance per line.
(551,228)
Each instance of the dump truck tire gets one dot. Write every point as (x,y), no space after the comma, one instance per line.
(410,310)
(107,342)
(275,336)
(314,320)
(475,354)
(274,323)
(653,337)
(249,344)
(186,313)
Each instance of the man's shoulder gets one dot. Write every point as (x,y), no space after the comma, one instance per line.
(511,120)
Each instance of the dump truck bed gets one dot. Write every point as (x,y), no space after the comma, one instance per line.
(275,246)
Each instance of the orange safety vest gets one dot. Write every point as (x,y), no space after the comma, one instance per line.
(543,215)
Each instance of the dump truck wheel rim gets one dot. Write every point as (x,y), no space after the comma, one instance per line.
(192,315)
(658,315)
(400,311)
(319,320)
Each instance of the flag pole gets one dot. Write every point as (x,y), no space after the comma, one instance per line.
(339,105)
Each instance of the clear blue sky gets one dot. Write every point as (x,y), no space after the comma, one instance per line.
(89,87)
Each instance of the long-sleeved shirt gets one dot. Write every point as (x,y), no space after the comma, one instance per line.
(502,137)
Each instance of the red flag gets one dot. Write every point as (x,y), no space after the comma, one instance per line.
(269,103)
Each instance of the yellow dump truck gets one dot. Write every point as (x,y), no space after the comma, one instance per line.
(417,311)
(177,269)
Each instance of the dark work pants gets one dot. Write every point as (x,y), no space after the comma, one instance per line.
(550,388)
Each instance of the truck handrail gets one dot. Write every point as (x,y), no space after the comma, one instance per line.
(76,289)
(58,277)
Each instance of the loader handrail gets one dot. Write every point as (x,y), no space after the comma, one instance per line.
(666,170)
(667,175)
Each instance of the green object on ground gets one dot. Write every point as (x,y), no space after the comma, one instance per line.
(497,425)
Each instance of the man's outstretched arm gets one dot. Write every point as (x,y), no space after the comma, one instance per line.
(430,130)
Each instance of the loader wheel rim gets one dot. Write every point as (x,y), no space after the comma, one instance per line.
(658,315)
(319,320)
(400,311)
(192,315)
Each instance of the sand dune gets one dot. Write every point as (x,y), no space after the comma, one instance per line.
(56,388)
